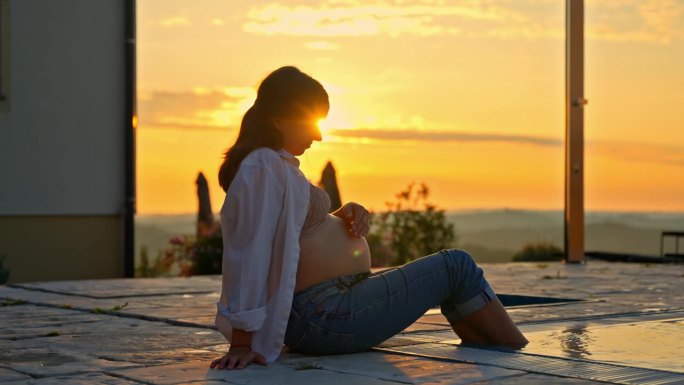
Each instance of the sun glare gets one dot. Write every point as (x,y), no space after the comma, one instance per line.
(323,126)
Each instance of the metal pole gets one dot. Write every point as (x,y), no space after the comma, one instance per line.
(574,131)
(130,125)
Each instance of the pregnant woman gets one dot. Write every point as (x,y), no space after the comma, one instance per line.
(296,276)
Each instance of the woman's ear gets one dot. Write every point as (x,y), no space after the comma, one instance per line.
(277,123)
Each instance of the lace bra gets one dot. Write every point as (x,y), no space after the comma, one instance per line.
(319,206)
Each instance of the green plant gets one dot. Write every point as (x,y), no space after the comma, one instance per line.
(409,229)
(12,302)
(119,307)
(538,252)
(160,267)
(99,310)
(185,256)
(207,254)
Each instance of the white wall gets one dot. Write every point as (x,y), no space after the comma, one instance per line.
(62,139)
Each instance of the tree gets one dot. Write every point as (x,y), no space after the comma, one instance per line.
(409,229)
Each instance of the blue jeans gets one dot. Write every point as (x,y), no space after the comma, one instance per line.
(356,312)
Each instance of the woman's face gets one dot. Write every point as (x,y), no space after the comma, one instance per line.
(298,133)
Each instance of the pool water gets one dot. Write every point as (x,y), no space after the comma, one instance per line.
(648,344)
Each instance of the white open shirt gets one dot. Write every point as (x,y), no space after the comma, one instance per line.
(261,219)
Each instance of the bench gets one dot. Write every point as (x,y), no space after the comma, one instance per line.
(676,235)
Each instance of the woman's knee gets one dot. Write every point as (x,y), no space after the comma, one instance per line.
(467,276)
(460,258)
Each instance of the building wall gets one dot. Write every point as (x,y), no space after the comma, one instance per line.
(46,248)
(62,140)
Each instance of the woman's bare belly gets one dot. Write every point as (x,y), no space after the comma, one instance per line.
(330,252)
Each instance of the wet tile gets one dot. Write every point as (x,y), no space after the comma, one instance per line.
(405,369)
(437,319)
(274,374)
(546,365)
(627,343)
(536,379)
(417,326)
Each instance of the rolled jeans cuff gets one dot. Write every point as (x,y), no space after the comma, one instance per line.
(458,312)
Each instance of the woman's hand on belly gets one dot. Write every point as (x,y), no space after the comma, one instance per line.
(334,241)
(356,217)
(331,252)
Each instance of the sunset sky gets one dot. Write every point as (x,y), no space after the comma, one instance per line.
(466,96)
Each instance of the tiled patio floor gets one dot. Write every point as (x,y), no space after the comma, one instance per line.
(80,332)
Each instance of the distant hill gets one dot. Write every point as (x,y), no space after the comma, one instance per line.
(155,231)
(495,235)
(489,235)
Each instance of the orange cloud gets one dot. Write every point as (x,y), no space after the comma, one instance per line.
(195,109)
(176,21)
(456,136)
(349,18)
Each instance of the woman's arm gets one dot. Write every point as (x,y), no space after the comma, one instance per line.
(249,218)
(240,353)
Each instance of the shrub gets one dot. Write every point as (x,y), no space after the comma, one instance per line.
(410,228)
(185,256)
(160,267)
(207,254)
(539,252)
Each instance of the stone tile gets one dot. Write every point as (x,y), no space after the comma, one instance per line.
(103,341)
(124,287)
(417,326)
(403,341)
(29,315)
(47,361)
(81,379)
(7,375)
(207,300)
(69,302)
(275,373)
(536,379)
(404,368)
(436,319)
(209,382)
(204,321)
(171,313)
(124,335)
(29,311)
(163,357)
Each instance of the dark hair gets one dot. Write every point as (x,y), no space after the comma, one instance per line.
(285,93)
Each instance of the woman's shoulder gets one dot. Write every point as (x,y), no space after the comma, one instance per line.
(263,156)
